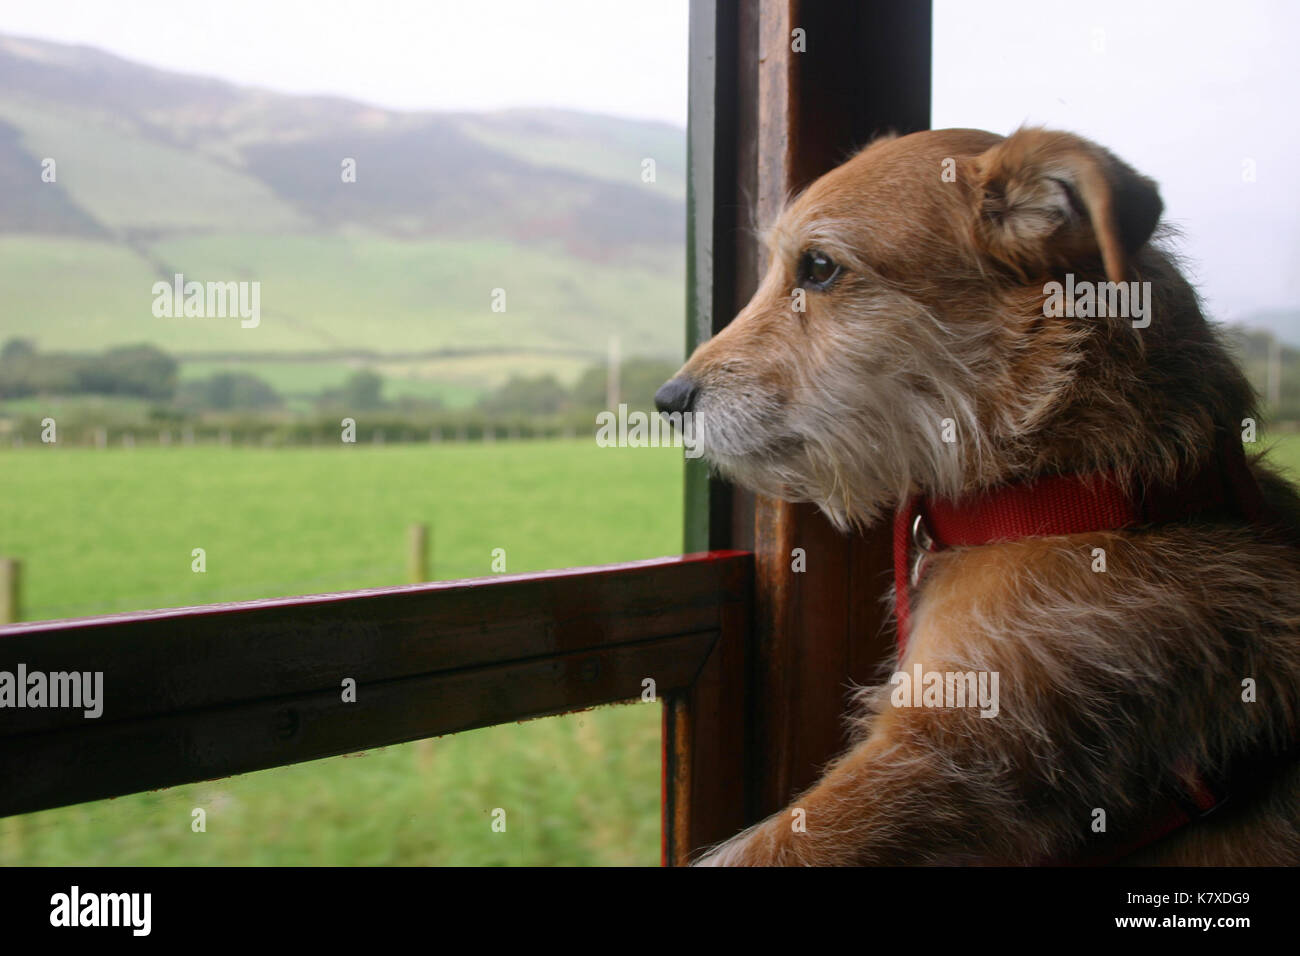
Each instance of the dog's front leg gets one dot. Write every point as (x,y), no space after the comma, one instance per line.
(826,825)
(904,795)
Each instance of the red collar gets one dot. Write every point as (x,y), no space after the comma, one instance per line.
(1066,504)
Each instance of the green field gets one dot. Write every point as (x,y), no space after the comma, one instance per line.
(1284,452)
(458,382)
(113,530)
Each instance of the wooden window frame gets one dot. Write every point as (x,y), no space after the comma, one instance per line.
(743,651)
(205,692)
(765,122)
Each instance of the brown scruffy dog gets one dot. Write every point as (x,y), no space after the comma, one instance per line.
(910,347)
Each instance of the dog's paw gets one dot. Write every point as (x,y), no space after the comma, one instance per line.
(725,854)
(752,847)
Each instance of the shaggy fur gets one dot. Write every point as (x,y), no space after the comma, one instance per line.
(1112,684)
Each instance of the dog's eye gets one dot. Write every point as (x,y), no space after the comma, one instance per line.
(817,269)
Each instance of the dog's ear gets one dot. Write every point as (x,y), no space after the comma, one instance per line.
(1046,199)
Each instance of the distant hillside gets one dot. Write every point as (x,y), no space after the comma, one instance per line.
(159,173)
(141,133)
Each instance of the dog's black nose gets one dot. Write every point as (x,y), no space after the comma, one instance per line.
(675,395)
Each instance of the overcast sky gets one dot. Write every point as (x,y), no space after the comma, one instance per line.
(1186,92)
(1190,93)
(626,57)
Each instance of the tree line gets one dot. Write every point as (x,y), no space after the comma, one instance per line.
(147,372)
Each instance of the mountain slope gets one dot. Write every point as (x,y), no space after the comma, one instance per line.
(136,140)
(159,173)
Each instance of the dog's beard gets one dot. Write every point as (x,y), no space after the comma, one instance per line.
(856,456)
(889,410)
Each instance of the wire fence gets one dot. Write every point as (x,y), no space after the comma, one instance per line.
(417,568)
(325,583)
(27,433)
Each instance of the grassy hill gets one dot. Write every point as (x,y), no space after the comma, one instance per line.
(331,293)
(159,173)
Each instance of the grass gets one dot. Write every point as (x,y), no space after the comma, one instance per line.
(114,529)
(1284,452)
(577,790)
(108,408)
(300,383)
(340,293)
(458,381)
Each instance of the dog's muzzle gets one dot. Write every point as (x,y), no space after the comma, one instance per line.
(676,395)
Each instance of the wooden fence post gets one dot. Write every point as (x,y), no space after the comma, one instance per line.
(10,585)
(417,558)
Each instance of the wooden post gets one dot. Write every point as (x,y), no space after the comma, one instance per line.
(417,559)
(866,71)
(1274,373)
(766,120)
(10,585)
(612,370)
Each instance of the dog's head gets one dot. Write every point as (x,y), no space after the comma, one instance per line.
(898,341)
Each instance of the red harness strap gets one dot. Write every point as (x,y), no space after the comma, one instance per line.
(1076,504)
